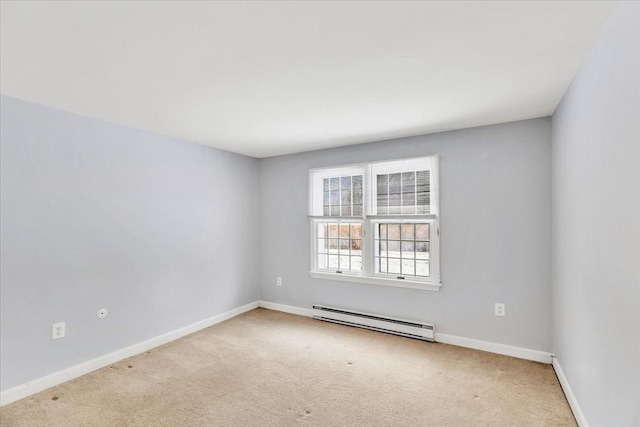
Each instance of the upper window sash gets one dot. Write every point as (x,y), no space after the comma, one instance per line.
(337,192)
(411,189)
(404,187)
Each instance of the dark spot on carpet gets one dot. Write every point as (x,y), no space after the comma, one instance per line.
(308,412)
(55,398)
(130,366)
(350,363)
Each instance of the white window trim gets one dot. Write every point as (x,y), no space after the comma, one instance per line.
(374,280)
(314,240)
(403,165)
(434,264)
(317,175)
(369,220)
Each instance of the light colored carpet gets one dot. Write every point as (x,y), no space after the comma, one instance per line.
(266,368)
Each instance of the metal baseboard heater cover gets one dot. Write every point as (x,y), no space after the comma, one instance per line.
(405,328)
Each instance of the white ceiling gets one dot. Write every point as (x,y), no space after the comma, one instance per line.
(268,78)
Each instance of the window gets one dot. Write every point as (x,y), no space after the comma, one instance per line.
(340,246)
(376,223)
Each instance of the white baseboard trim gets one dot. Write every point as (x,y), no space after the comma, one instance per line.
(568,392)
(491,347)
(43,383)
(286,308)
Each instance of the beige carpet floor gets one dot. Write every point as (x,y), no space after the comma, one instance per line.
(266,368)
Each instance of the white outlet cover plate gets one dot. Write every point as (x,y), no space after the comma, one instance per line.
(57,330)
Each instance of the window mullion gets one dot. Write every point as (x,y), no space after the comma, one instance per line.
(367,248)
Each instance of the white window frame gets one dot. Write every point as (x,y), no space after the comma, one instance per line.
(370,220)
(314,241)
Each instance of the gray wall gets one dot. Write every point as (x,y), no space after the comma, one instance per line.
(160,232)
(495,199)
(596,226)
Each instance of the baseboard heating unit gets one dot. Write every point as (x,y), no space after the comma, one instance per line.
(405,328)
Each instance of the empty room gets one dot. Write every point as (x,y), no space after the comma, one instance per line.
(323,213)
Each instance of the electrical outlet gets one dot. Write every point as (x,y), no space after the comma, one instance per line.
(57,331)
(500,310)
(278,281)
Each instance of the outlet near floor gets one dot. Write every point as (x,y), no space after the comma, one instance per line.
(57,331)
(500,310)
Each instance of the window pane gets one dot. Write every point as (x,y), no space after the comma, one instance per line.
(383,194)
(335,184)
(422,268)
(322,245)
(332,245)
(382,249)
(395,193)
(394,231)
(357,195)
(344,263)
(344,231)
(422,250)
(326,196)
(408,249)
(422,192)
(333,262)
(323,261)
(356,263)
(345,183)
(346,195)
(409,193)
(422,231)
(335,202)
(408,267)
(382,231)
(407,231)
(356,231)
(382,265)
(322,231)
(333,230)
(394,266)
(394,248)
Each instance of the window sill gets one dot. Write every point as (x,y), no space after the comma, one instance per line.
(395,283)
